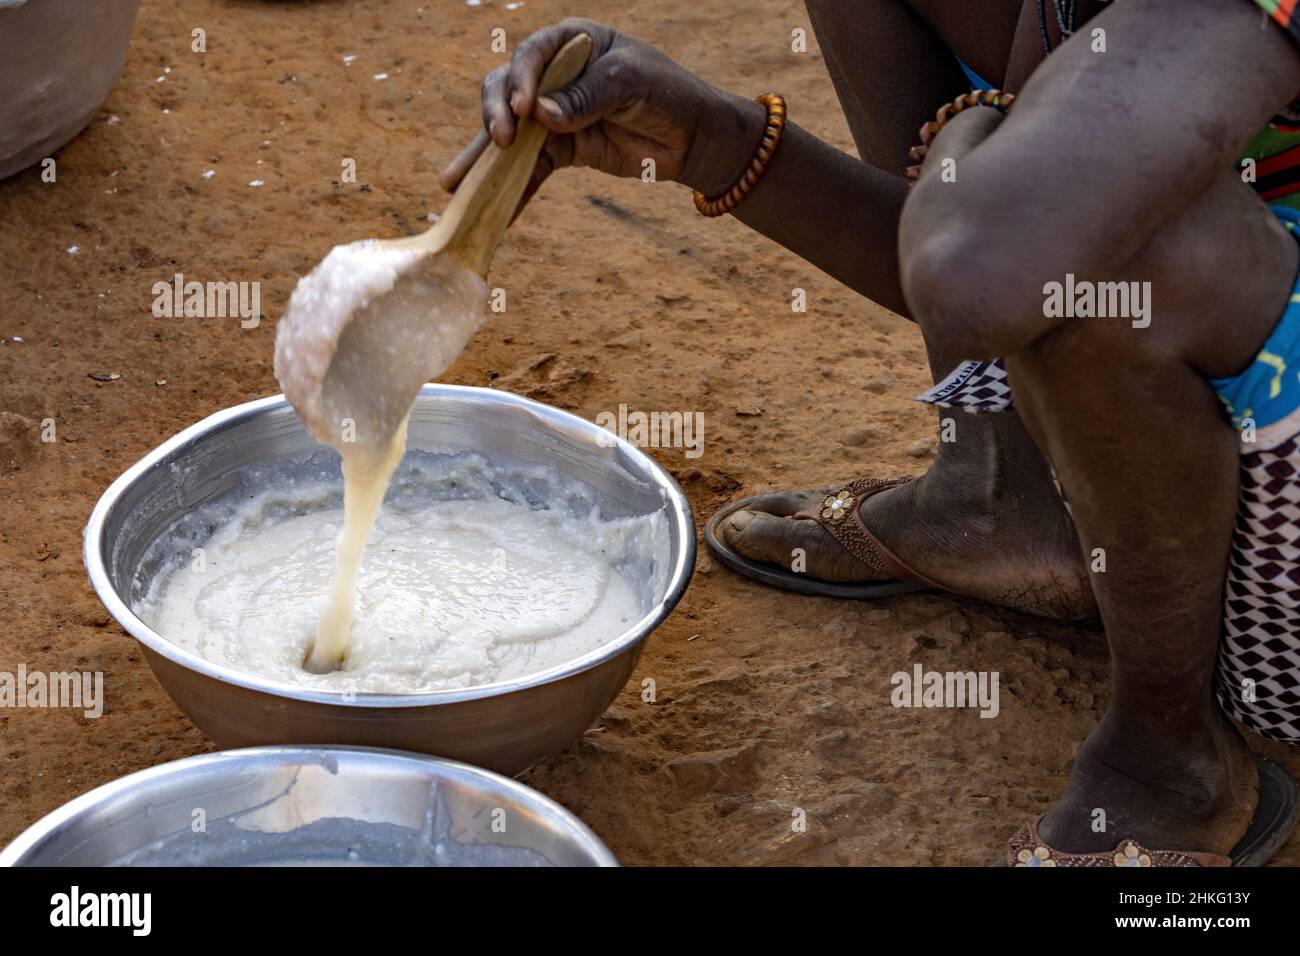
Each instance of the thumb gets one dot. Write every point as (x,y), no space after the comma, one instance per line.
(587,100)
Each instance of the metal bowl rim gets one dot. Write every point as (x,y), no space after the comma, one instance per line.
(678,507)
(25,842)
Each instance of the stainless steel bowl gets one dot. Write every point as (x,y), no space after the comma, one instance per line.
(295,806)
(505,726)
(58,60)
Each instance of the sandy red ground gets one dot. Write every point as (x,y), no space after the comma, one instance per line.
(618,293)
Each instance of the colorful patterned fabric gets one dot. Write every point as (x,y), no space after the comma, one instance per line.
(1259,657)
(972,386)
(1276,149)
(1259,660)
(1276,155)
(1285,13)
(1265,398)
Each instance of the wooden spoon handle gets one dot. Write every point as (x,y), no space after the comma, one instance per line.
(479,213)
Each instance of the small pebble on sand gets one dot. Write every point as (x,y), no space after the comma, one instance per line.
(258,183)
(629,341)
(73,250)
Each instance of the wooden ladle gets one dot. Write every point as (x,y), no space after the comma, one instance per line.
(476,219)
(379,318)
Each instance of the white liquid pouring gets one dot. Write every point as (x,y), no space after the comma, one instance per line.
(362,332)
(346,362)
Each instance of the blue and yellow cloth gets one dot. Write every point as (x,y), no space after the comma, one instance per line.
(1264,400)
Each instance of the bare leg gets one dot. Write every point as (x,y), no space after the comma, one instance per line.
(1150,467)
(985,520)
(1125,414)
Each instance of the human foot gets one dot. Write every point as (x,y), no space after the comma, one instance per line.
(1180,795)
(1016,548)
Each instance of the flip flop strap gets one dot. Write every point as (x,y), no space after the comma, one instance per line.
(838,514)
(1027,848)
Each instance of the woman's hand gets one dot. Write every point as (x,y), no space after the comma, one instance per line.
(631,104)
(961,134)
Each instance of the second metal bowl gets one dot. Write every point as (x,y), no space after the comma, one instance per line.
(298,806)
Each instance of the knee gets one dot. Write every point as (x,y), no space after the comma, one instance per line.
(969,296)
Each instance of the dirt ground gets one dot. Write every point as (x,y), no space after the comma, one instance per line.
(619,292)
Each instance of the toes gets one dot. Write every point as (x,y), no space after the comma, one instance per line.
(760,536)
(785,503)
(765,530)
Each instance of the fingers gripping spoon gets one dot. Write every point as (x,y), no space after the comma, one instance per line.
(479,213)
(378,296)
(377,319)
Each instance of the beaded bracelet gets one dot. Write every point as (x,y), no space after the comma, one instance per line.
(729,200)
(995,99)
